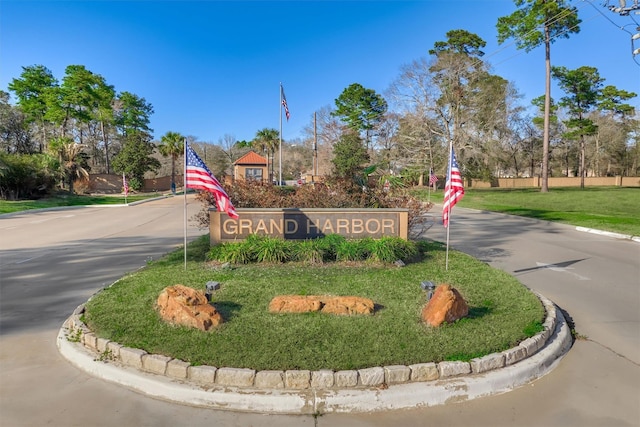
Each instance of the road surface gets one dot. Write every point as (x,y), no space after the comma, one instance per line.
(52,261)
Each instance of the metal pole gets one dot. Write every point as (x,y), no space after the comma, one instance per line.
(448,180)
(315,146)
(184,190)
(280,149)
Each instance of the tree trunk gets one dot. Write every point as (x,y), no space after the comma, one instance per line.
(582,158)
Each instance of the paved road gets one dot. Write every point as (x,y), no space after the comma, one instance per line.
(50,262)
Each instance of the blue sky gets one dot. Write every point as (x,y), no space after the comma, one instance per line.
(211,68)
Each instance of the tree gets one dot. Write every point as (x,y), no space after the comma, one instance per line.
(132,114)
(32,90)
(267,141)
(14,131)
(362,109)
(135,158)
(72,163)
(582,88)
(172,146)
(619,116)
(349,156)
(540,22)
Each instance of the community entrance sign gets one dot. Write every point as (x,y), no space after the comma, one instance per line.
(300,224)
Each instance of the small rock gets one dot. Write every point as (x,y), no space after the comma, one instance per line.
(186,306)
(446,305)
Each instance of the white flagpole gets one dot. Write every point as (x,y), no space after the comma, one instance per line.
(184,190)
(280,145)
(449,180)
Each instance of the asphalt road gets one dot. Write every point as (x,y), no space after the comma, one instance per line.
(50,262)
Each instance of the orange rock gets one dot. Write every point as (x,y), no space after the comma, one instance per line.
(186,306)
(347,305)
(325,304)
(294,304)
(446,305)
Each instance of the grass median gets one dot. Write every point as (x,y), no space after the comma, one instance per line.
(612,209)
(502,313)
(10,206)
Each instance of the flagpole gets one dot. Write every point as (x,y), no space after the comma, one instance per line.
(429,184)
(280,135)
(184,190)
(448,180)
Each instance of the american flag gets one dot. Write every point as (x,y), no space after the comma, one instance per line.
(199,177)
(453,189)
(284,103)
(432,178)
(125,184)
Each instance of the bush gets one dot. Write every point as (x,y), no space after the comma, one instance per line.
(27,176)
(315,251)
(334,194)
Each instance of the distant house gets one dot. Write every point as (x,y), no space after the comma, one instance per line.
(251,166)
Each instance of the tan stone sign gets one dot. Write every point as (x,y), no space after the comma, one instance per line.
(300,224)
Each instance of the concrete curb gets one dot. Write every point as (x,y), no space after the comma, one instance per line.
(609,234)
(170,379)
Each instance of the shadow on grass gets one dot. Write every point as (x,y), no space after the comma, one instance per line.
(478,312)
(227,309)
(542,214)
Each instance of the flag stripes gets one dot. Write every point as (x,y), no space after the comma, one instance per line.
(199,177)
(125,184)
(284,103)
(453,189)
(432,178)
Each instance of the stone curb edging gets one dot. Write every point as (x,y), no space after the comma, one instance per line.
(324,391)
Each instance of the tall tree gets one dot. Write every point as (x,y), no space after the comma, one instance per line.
(362,109)
(172,145)
(132,114)
(538,22)
(582,87)
(31,90)
(611,102)
(458,73)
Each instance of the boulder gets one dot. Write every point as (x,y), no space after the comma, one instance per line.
(294,304)
(345,305)
(182,305)
(446,305)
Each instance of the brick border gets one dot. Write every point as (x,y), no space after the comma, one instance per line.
(104,350)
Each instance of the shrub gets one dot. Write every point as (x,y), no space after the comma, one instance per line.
(315,251)
(334,193)
(309,251)
(272,249)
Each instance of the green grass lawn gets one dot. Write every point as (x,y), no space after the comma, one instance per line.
(604,208)
(8,206)
(502,313)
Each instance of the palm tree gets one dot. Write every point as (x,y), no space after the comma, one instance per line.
(172,145)
(69,154)
(267,140)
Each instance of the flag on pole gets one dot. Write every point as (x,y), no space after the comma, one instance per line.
(284,103)
(432,178)
(125,184)
(453,189)
(199,177)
